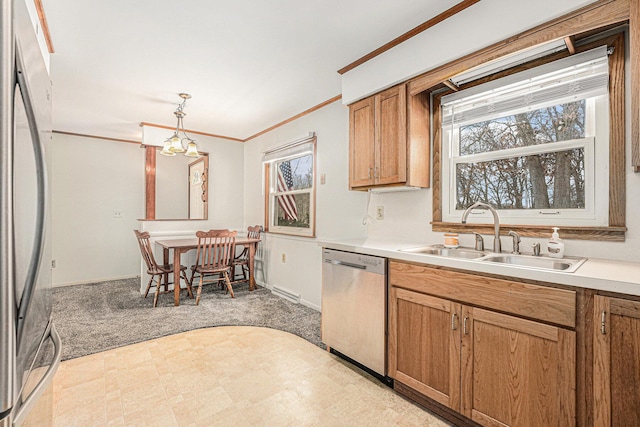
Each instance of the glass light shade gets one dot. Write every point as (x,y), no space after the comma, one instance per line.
(192,150)
(166,149)
(176,144)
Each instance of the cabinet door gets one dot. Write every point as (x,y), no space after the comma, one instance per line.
(361,143)
(516,372)
(391,136)
(424,345)
(616,374)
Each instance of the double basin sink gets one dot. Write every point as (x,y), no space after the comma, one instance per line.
(567,265)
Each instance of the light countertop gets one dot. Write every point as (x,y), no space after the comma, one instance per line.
(600,274)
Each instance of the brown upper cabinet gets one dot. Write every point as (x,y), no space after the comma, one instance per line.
(389,140)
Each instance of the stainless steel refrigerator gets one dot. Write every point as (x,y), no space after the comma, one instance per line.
(29,344)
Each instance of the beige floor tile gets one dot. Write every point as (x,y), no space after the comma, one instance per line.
(226,376)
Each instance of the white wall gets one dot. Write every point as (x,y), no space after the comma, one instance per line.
(339,212)
(91,178)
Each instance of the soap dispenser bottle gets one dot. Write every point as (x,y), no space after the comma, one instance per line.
(555,245)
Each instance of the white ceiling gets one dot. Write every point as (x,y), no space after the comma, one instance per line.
(247,64)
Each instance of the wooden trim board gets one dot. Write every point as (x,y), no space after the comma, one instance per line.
(191,131)
(297,116)
(150,183)
(409,34)
(44,25)
(595,15)
(231,138)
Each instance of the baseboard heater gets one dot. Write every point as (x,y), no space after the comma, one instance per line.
(286,294)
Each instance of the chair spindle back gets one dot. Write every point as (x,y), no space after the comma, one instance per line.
(254,232)
(215,248)
(146,250)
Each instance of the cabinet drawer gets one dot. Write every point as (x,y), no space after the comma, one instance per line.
(548,304)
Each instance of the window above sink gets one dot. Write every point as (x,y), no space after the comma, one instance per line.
(534,145)
(613,228)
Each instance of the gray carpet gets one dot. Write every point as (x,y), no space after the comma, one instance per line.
(96,317)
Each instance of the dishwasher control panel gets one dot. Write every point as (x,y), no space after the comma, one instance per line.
(368,263)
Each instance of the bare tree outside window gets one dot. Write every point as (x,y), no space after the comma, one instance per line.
(549,180)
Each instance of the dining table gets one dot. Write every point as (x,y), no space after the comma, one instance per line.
(180,246)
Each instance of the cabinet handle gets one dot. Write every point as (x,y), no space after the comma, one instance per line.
(603,320)
(376,172)
(370,173)
(464,325)
(453,321)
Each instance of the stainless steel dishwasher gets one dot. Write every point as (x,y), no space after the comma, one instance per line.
(354,307)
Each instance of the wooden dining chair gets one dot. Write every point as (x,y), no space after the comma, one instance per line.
(242,259)
(214,256)
(157,272)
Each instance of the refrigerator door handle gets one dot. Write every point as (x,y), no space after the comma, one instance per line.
(7,273)
(45,381)
(41,173)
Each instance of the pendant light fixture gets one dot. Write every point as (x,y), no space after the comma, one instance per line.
(176,143)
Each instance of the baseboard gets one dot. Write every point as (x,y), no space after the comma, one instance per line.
(264,285)
(434,407)
(286,294)
(85,282)
(310,305)
(301,301)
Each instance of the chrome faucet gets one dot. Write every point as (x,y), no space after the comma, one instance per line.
(479,242)
(497,246)
(536,249)
(516,242)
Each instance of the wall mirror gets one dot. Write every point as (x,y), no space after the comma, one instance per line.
(176,187)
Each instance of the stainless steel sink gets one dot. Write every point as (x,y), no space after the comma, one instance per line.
(567,265)
(440,250)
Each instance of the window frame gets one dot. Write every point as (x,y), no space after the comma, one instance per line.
(270,190)
(595,212)
(616,229)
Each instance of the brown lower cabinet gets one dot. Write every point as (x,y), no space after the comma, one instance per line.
(616,356)
(493,368)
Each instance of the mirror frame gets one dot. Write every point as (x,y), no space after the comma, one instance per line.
(150,186)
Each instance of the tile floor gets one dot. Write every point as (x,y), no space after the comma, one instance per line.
(225,376)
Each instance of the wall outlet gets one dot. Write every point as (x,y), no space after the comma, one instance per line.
(53,263)
(323,178)
(117,214)
(380,213)
(284,257)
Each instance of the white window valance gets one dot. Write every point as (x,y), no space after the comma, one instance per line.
(578,76)
(294,148)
